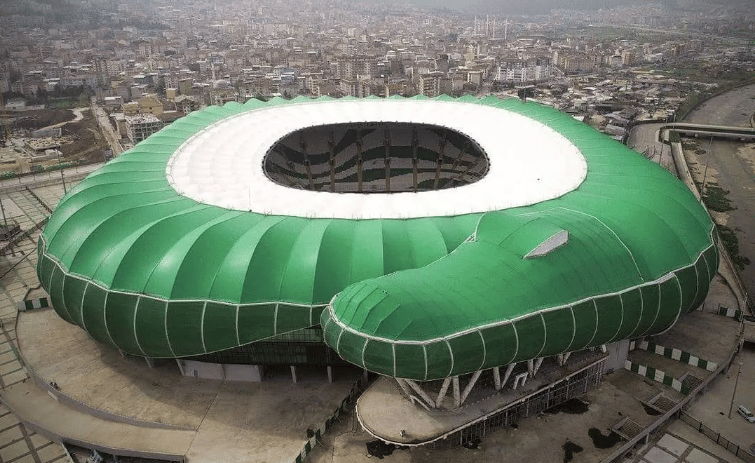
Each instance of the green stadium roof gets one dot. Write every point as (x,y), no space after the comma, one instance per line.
(617,250)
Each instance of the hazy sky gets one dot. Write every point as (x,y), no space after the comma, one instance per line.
(534,7)
(515,6)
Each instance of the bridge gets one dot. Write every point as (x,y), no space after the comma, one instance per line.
(710,131)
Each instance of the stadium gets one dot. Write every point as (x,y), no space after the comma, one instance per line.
(438,242)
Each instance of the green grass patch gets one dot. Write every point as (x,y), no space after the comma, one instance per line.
(715,198)
(731,243)
(63,104)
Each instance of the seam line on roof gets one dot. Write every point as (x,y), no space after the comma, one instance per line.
(62,293)
(639,273)
(136,334)
(167,337)
(238,338)
(104,320)
(201,326)
(545,335)
(424,352)
(697,283)
(393,348)
(642,314)
(516,351)
(275,320)
(83,295)
(451,351)
(573,330)
(707,269)
(657,310)
(597,322)
(681,302)
(52,274)
(621,322)
(484,350)
(338,341)
(364,348)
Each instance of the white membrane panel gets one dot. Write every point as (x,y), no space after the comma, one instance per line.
(222,165)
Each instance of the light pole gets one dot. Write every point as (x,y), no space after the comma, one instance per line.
(61,174)
(734,392)
(7,230)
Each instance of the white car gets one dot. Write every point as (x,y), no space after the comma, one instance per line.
(746,413)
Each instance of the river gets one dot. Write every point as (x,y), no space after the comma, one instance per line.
(732,166)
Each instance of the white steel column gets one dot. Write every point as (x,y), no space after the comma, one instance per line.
(457,396)
(181,366)
(421,393)
(497,378)
(506,375)
(537,364)
(403,386)
(562,358)
(442,393)
(471,384)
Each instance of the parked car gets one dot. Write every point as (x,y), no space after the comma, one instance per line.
(746,413)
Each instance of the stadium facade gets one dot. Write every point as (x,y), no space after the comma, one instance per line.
(421,239)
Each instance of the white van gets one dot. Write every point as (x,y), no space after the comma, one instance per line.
(746,413)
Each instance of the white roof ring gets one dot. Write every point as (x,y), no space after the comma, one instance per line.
(222,165)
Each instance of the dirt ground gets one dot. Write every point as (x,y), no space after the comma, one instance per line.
(89,143)
(43,117)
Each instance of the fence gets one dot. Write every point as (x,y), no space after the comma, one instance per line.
(674,354)
(575,385)
(30,304)
(22,236)
(317,433)
(736,314)
(716,437)
(39,200)
(658,376)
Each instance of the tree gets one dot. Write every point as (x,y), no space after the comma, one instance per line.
(41,94)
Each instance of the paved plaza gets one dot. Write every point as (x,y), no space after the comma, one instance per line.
(19,443)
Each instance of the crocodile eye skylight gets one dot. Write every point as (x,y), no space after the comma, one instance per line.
(378,157)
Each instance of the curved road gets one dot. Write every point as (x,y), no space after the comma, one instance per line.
(736,173)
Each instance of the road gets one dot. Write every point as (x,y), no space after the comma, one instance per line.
(107,129)
(732,164)
(644,139)
(76,112)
